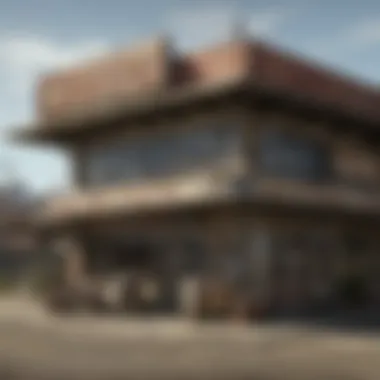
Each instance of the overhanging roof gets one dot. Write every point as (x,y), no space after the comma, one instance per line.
(253,69)
(133,107)
(87,121)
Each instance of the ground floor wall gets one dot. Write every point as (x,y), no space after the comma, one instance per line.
(232,263)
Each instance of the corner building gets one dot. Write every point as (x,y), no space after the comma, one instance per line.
(238,181)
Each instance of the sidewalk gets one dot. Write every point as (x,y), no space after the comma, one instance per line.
(27,311)
(97,348)
(24,309)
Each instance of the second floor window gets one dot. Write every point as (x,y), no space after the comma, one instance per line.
(289,156)
(160,154)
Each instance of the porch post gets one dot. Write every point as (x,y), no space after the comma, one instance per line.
(74,261)
(188,282)
(374,273)
(261,262)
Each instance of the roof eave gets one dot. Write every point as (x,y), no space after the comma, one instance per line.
(56,132)
(68,129)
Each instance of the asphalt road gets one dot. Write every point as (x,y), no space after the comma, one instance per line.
(36,346)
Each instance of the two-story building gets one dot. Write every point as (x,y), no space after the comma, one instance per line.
(239,165)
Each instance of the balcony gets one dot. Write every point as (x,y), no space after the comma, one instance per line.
(132,199)
(203,189)
(327,195)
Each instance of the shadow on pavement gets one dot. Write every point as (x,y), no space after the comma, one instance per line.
(363,320)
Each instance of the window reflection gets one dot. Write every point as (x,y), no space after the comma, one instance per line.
(291,156)
(161,154)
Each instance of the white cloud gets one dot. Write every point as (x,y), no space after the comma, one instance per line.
(269,22)
(196,27)
(365,32)
(200,26)
(23,58)
(347,41)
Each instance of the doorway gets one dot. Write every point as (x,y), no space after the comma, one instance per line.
(354,287)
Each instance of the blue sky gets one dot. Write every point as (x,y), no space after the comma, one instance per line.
(40,35)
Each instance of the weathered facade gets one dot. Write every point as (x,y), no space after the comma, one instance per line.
(239,179)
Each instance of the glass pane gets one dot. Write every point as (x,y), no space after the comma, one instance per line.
(283,155)
(161,154)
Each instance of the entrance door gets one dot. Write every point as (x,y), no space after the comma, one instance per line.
(354,290)
(134,256)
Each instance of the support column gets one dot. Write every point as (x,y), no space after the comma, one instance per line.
(374,274)
(188,279)
(261,262)
(223,267)
(170,260)
(74,259)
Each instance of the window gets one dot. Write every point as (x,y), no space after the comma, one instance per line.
(194,256)
(290,156)
(161,154)
(355,245)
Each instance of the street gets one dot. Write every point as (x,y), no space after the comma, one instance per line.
(38,346)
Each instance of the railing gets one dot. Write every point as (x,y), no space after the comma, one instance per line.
(338,196)
(136,198)
(206,189)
